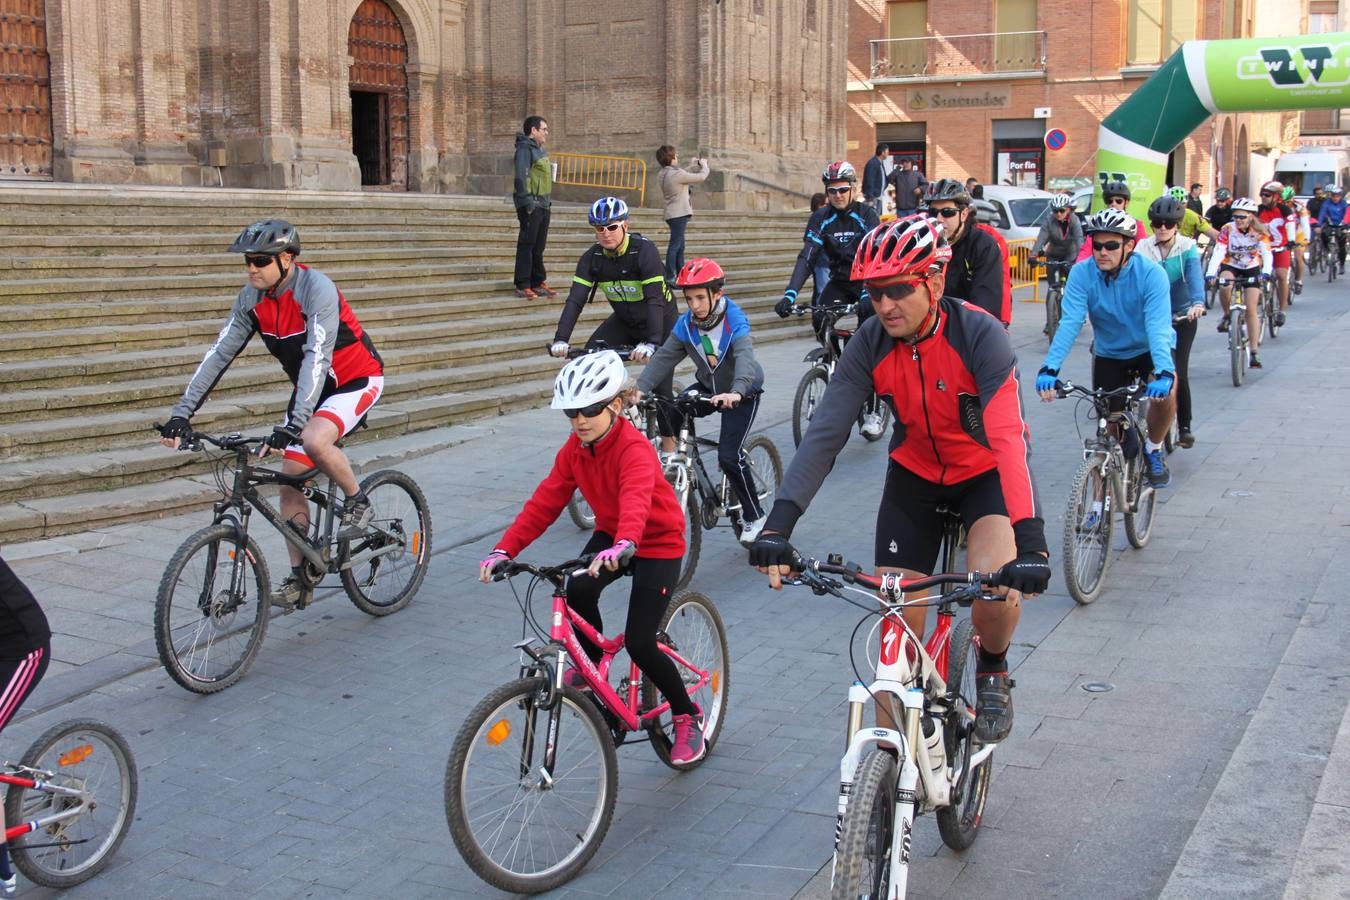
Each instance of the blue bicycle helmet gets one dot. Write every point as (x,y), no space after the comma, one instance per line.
(607,210)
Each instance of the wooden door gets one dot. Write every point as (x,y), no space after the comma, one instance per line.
(25,91)
(379,66)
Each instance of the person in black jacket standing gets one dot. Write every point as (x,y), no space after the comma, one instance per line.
(531,192)
(874,178)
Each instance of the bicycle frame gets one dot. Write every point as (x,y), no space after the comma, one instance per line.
(39,782)
(244,498)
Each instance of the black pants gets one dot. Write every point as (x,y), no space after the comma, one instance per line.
(614,333)
(653,583)
(736,424)
(1182,357)
(839,291)
(530,246)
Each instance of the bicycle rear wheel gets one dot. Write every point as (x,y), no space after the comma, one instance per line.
(766,472)
(959,823)
(580,511)
(693,629)
(1088,522)
(517,829)
(1052,312)
(382,569)
(862,863)
(693,539)
(207,632)
(87,756)
(1139,524)
(809,392)
(1269,306)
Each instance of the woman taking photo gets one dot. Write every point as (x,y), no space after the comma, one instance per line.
(674,183)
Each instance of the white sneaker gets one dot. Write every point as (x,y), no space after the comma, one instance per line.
(751,530)
(871,426)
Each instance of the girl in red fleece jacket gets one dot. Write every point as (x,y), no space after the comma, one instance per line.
(639,527)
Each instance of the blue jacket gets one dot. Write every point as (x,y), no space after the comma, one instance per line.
(1331,213)
(1183,271)
(1131,315)
(736,368)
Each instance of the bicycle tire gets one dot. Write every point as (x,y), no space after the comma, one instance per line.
(959,823)
(208,636)
(766,472)
(1269,307)
(809,392)
(1237,345)
(1052,313)
(1211,291)
(883,410)
(51,866)
(1139,524)
(1087,544)
(708,651)
(396,576)
(487,728)
(693,539)
(582,515)
(860,870)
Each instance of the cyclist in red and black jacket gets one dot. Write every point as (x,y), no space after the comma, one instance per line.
(961,441)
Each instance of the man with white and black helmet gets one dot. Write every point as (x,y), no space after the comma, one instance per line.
(1128,299)
(306,324)
(976,272)
(1057,244)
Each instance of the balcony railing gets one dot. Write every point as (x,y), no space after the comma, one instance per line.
(969,57)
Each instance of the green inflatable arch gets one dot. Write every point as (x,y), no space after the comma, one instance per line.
(1207,77)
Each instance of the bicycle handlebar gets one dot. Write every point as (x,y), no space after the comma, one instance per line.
(812,573)
(625,353)
(1129,391)
(232,441)
(838,310)
(555,574)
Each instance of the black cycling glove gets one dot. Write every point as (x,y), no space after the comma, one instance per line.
(177,427)
(1028,574)
(282,436)
(783,308)
(772,550)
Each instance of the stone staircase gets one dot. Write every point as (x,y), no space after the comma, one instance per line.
(113,294)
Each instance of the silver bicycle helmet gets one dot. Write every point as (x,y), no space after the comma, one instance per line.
(593,378)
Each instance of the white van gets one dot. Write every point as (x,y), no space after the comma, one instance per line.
(1310,168)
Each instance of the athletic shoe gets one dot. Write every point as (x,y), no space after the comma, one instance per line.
(1185,439)
(1223,324)
(688,747)
(1155,472)
(356,517)
(1298,287)
(527,293)
(750,530)
(993,707)
(543,290)
(872,426)
(1279,319)
(291,595)
(1256,363)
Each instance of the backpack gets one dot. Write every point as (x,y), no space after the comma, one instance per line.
(1006,317)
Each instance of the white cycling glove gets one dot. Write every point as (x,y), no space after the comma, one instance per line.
(559,349)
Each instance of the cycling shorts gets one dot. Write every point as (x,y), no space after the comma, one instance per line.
(345,407)
(1283,260)
(1109,374)
(1253,273)
(909,526)
(19,677)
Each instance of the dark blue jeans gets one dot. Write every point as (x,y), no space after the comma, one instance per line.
(675,250)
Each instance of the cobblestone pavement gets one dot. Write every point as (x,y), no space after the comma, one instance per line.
(1201,773)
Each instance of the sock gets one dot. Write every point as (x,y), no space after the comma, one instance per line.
(1150,445)
(990,662)
(358,497)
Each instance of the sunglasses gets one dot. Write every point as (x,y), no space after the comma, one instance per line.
(258,262)
(1241,218)
(946,212)
(897,291)
(1267,194)
(589,412)
(1156,224)
(837,191)
(1062,209)
(1099,246)
(1114,200)
(612,226)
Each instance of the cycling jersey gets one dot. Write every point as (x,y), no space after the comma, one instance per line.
(23,625)
(1241,250)
(978,273)
(1191,224)
(1280,224)
(1182,265)
(1219,216)
(308,327)
(958,414)
(724,358)
(834,233)
(1131,313)
(1059,238)
(632,278)
(621,478)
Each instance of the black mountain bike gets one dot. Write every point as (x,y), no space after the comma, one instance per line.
(1056,273)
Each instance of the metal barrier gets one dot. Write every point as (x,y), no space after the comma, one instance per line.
(1024,274)
(619,173)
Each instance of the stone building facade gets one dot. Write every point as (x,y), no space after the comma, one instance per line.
(426,95)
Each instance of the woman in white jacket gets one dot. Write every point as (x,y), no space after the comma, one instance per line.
(674,183)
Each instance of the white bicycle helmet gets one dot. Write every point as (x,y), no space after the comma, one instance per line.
(1115,221)
(593,378)
(1059,201)
(1245,204)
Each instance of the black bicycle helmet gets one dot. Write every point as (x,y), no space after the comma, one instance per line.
(1223,194)
(947,189)
(1115,189)
(270,236)
(1166,209)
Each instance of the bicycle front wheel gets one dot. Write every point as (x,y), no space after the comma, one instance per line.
(208,628)
(582,515)
(93,759)
(693,629)
(693,538)
(959,823)
(809,392)
(766,473)
(1088,522)
(519,828)
(1052,313)
(382,569)
(1139,517)
(862,861)
(1237,344)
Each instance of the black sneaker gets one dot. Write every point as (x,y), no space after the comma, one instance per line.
(1256,363)
(356,516)
(1279,319)
(993,707)
(291,595)
(1223,324)
(1185,439)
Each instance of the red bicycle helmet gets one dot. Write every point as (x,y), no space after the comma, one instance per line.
(908,246)
(701,272)
(839,171)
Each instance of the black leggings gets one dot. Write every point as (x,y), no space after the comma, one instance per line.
(1182,357)
(653,583)
(839,291)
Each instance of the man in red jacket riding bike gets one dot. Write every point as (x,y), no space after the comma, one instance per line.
(960,442)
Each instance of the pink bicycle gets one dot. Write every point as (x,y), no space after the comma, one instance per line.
(532,778)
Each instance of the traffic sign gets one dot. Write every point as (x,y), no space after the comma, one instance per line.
(1055,139)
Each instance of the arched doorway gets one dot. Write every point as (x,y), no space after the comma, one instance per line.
(379,91)
(25,91)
